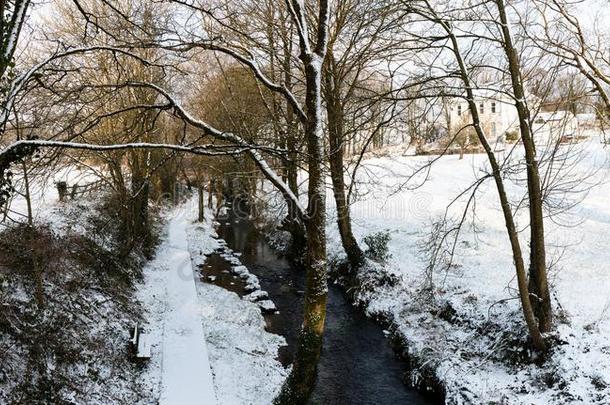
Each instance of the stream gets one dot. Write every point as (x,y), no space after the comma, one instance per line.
(357,366)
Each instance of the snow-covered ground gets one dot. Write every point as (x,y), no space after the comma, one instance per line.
(44,194)
(179,368)
(200,327)
(467,330)
(74,348)
(243,355)
(208,345)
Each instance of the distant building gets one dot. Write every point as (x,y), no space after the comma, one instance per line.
(497,112)
(555,125)
(587,121)
(499,118)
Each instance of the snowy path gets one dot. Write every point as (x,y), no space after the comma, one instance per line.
(181,356)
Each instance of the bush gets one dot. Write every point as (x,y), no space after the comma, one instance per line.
(512,136)
(67,307)
(378,246)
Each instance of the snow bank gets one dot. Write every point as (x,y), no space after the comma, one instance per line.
(470,329)
(74,350)
(242,354)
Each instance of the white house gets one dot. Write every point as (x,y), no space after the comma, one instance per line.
(588,121)
(499,117)
(497,112)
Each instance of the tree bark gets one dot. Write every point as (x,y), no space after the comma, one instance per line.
(336,136)
(201,204)
(26,194)
(538,284)
(299,385)
(210,193)
(300,382)
(140,190)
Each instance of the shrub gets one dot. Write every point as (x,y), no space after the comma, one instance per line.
(67,307)
(377,244)
(512,136)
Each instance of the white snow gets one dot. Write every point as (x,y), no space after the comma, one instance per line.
(480,286)
(267,305)
(256,296)
(215,348)
(45,201)
(240,270)
(144,346)
(180,367)
(243,355)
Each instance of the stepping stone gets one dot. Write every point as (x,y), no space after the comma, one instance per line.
(267,306)
(256,296)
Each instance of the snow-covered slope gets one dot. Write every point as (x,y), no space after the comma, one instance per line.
(469,330)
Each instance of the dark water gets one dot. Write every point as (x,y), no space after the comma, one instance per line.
(357,366)
(217,270)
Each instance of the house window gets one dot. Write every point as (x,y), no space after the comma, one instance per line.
(459,109)
(481,108)
(493,130)
(493,108)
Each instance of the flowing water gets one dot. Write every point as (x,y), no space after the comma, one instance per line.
(357,366)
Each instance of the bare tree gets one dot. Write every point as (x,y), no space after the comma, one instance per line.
(459,27)
(562,34)
(357,46)
(313,45)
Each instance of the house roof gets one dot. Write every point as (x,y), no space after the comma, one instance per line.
(496,94)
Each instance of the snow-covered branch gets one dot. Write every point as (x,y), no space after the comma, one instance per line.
(9,44)
(19,83)
(268,172)
(208,150)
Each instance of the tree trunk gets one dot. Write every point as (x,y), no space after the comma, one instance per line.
(335,116)
(140,190)
(219,195)
(294,224)
(210,193)
(141,228)
(299,385)
(537,271)
(526,304)
(201,204)
(27,194)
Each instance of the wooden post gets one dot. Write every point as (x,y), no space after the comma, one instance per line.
(62,190)
(201,204)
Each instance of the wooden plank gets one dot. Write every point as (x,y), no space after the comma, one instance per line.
(144,346)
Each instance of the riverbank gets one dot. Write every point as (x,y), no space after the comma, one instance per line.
(243,355)
(211,346)
(350,288)
(358,364)
(461,321)
(68,307)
